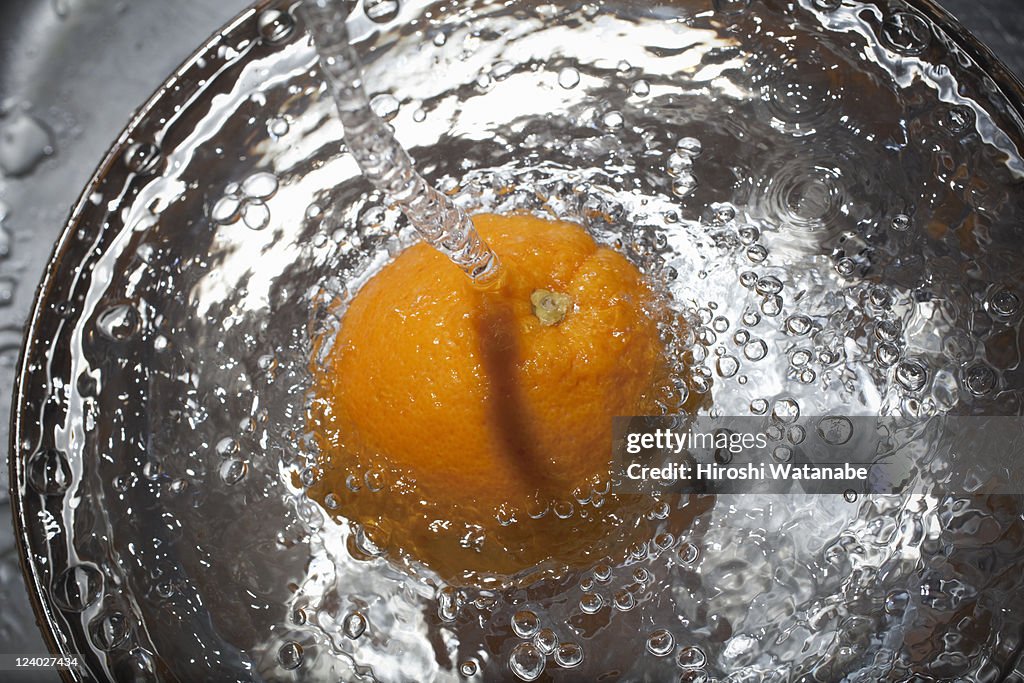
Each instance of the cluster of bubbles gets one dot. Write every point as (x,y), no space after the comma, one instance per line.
(246,202)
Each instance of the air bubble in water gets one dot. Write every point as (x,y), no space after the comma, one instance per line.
(684,185)
(835,429)
(48,472)
(143,158)
(354,625)
(887,354)
(755,350)
(1004,303)
(786,410)
(227,210)
(568,78)
(613,120)
(641,88)
(256,215)
(957,119)
(381,11)
(525,623)
(980,379)
(850,496)
(260,185)
(290,656)
(896,602)
(546,641)
(275,26)
(468,668)
(660,643)
(694,676)
(906,33)
(911,375)
(691,657)
(278,127)
(728,366)
(591,603)
(900,222)
(569,655)
(24,142)
(233,471)
(118,323)
(526,662)
(77,587)
(385,105)
(107,631)
(691,147)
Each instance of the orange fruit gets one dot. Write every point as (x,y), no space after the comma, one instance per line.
(443,412)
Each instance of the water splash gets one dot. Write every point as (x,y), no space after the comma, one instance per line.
(382,160)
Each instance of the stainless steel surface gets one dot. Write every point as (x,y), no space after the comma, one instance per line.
(80,68)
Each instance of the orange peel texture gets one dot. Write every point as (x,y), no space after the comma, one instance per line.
(471,413)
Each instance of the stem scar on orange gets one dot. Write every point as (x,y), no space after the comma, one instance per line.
(481,410)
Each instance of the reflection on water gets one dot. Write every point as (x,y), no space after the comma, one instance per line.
(830,198)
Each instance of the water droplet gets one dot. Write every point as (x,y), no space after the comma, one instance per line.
(569,655)
(641,88)
(107,631)
(546,641)
(278,127)
(261,185)
(568,78)
(118,323)
(835,429)
(900,222)
(24,142)
(440,38)
(660,643)
(275,26)
(591,603)
(385,105)
(226,210)
(290,656)
(77,587)
(691,657)
(468,668)
(526,662)
(233,471)
(48,472)
(911,375)
(143,158)
(354,625)
(525,623)
(980,379)
(906,33)
(256,215)
(381,11)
